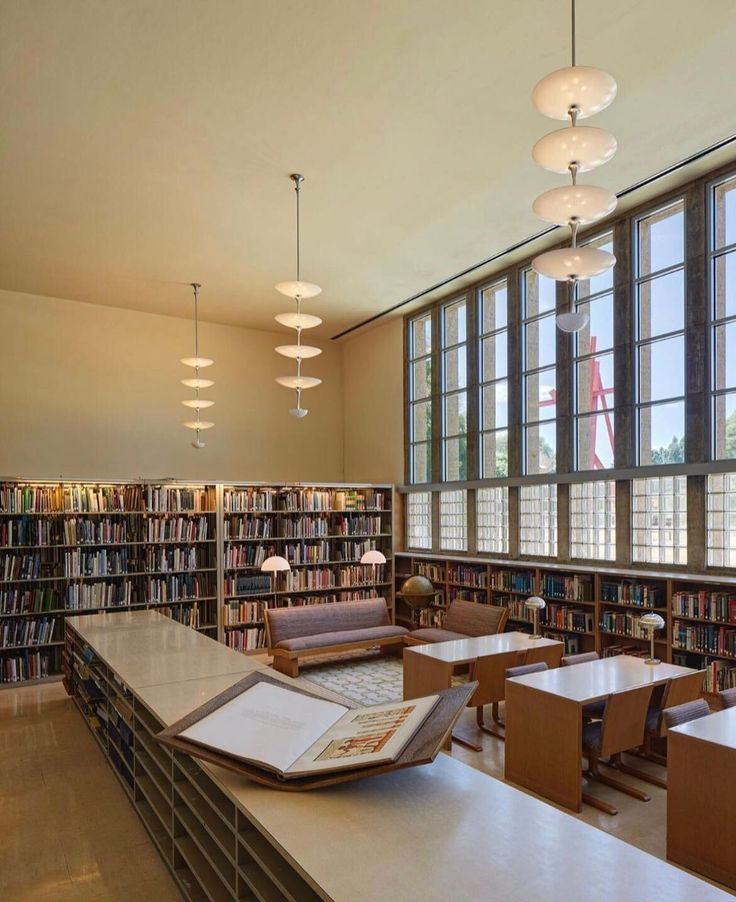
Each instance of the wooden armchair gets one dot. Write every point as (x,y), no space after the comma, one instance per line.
(727,698)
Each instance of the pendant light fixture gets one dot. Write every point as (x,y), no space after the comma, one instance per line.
(196,403)
(574,93)
(299,291)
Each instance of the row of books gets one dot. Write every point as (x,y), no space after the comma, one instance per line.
(30,665)
(177,529)
(719,675)
(466,594)
(247,528)
(26,601)
(433,572)
(35,531)
(248,638)
(572,643)
(235,612)
(324,552)
(326,578)
(513,580)
(624,624)
(166,498)
(331,499)
(432,617)
(26,631)
(164,560)
(571,588)
(241,500)
(712,640)
(188,614)
(612,651)
(636,594)
(245,556)
(83,596)
(180,586)
(705,605)
(469,576)
(98,563)
(17,499)
(565,617)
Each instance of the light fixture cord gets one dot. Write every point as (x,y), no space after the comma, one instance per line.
(572,4)
(196,345)
(297,186)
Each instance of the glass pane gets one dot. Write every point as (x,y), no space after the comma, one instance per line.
(419,520)
(724,281)
(454,520)
(421,381)
(594,380)
(541,448)
(456,368)
(662,434)
(494,304)
(724,410)
(541,396)
(724,226)
(540,294)
(662,305)
(495,454)
(662,369)
(494,407)
(492,519)
(454,318)
(598,334)
(493,353)
(456,414)
(603,282)
(595,444)
(661,239)
(421,336)
(540,338)
(421,415)
(724,356)
(421,463)
(456,458)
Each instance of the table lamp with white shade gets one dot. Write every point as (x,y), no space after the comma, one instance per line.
(535,605)
(373,557)
(273,565)
(652,622)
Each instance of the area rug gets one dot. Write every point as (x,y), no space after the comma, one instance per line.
(366,679)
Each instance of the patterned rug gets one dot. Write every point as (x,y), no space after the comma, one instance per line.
(367,678)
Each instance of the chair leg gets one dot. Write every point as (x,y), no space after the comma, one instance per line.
(640,774)
(618,784)
(593,774)
(468,743)
(493,730)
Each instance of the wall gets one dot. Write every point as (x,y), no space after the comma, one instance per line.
(373,399)
(93,392)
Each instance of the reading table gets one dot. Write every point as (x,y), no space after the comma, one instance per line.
(544,720)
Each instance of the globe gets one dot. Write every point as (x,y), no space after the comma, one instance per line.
(418,592)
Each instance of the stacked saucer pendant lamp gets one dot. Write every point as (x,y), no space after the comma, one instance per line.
(197,363)
(574,93)
(299,291)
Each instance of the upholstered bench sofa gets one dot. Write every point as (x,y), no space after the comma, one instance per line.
(463,619)
(318,629)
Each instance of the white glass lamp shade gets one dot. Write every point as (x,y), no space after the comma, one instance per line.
(198,424)
(535,603)
(584,146)
(197,383)
(198,403)
(298,412)
(573,321)
(298,320)
(298,289)
(195,362)
(298,381)
(275,563)
(373,557)
(575,203)
(652,621)
(298,351)
(569,263)
(583,88)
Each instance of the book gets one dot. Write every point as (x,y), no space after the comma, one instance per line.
(295,735)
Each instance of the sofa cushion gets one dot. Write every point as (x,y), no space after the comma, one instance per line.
(341,637)
(432,634)
(315,619)
(473,619)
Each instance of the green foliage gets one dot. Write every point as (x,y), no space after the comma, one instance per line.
(674,453)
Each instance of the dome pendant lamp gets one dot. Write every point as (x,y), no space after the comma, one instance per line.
(298,321)
(575,92)
(196,403)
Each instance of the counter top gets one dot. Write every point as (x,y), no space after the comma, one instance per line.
(462,651)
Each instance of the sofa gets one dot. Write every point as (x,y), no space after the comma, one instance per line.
(463,619)
(318,629)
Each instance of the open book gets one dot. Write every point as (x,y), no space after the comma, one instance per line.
(295,735)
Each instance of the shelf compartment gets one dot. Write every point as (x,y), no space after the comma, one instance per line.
(220,832)
(222,864)
(155,799)
(289,883)
(217,801)
(152,823)
(203,872)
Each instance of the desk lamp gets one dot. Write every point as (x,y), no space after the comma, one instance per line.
(535,605)
(373,558)
(652,622)
(273,565)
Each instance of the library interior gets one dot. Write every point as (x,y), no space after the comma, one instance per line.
(368,451)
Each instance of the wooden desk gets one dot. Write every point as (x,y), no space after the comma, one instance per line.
(701,796)
(544,720)
(428,668)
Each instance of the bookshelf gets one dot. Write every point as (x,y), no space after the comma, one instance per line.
(594,608)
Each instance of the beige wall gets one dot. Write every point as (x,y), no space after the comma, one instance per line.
(373,399)
(92,391)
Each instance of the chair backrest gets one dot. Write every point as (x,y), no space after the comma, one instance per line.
(551,655)
(728,698)
(490,672)
(313,619)
(471,618)
(624,720)
(582,658)
(523,669)
(683,689)
(673,717)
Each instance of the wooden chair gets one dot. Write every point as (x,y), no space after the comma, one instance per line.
(582,658)
(551,655)
(680,714)
(622,728)
(490,672)
(523,669)
(676,692)
(727,698)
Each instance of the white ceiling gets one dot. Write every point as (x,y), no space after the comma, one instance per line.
(147,143)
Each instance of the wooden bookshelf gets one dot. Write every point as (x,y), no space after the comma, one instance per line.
(595,608)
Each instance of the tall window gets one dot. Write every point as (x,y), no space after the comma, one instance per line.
(660,335)
(723,317)
(593,520)
(721,523)
(420,398)
(492,519)
(539,375)
(538,520)
(494,384)
(659,520)
(454,391)
(593,370)
(419,520)
(454,520)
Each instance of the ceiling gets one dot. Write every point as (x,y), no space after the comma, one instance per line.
(147,143)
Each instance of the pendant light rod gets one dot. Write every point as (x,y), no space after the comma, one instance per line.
(297,179)
(196,286)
